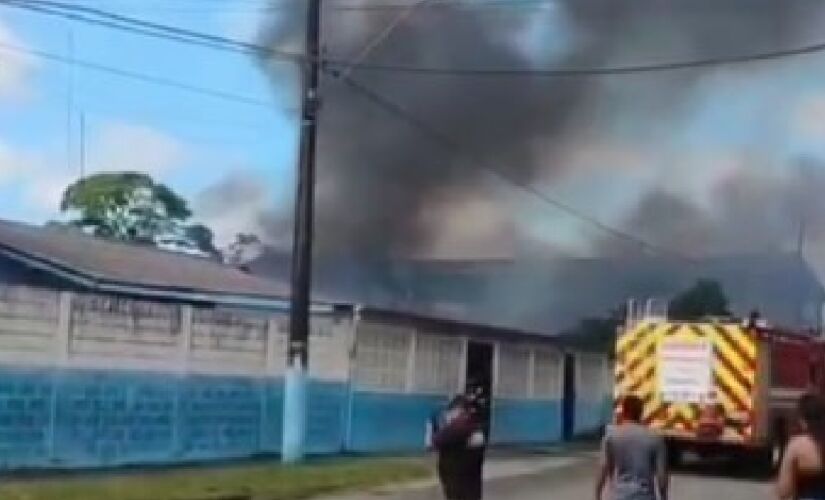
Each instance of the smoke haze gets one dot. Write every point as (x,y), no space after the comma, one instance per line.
(379,178)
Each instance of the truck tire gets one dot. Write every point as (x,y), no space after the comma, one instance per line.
(778,443)
(777,454)
(770,457)
(675,454)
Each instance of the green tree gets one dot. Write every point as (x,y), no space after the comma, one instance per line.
(703,299)
(132,207)
(202,238)
(598,333)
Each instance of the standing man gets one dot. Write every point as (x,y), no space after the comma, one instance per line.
(459,435)
(634,459)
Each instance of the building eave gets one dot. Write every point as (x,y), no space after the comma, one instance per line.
(96,282)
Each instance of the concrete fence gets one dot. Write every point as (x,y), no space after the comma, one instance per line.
(93,380)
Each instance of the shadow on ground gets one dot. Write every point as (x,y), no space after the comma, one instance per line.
(724,468)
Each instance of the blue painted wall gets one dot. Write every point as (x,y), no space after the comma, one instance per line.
(390,422)
(120,418)
(591,416)
(54,418)
(526,422)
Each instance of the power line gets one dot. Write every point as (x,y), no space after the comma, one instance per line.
(497,171)
(145,28)
(140,27)
(338,6)
(133,75)
(446,4)
(384,35)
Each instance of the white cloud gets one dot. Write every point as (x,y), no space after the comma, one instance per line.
(808,119)
(11,163)
(242,25)
(119,146)
(45,193)
(125,146)
(15,66)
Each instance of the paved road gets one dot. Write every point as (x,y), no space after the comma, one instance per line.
(575,482)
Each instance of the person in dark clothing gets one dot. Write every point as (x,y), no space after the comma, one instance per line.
(457,440)
(480,408)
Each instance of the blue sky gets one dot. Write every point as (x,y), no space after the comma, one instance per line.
(186,139)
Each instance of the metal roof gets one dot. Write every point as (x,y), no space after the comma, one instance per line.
(134,269)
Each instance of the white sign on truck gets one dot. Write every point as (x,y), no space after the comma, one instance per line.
(685,370)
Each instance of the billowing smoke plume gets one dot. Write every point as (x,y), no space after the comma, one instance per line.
(378,175)
(747,210)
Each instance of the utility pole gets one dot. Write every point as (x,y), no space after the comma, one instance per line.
(295,391)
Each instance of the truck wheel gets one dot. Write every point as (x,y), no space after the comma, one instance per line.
(777,447)
(675,455)
(777,454)
(770,457)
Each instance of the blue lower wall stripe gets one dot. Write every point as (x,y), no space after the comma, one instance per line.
(390,422)
(105,418)
(526,422)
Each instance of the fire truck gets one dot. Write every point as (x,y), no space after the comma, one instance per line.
(718,385)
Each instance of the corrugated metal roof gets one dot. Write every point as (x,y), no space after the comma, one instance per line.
(89,258)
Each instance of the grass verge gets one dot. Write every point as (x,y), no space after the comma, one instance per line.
(250,482)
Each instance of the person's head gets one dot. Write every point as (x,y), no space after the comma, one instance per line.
(458,403)
(811,413)
(632,409)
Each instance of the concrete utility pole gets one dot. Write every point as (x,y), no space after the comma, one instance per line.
(295,393)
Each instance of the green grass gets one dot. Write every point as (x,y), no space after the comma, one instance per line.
(251,482)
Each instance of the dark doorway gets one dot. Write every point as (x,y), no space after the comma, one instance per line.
(569,401)
(480,377)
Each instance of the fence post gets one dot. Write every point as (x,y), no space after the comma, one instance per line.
(531,370)
(184,355)
(185,342)
(272,355)
(64,328)
(409,383)
(62,346)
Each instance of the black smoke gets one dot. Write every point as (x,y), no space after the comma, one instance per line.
(751,210)
(376,173)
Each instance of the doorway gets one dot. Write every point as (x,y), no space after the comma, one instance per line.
(569,398)
(479,377)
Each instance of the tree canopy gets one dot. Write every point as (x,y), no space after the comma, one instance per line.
(133,207)
(703,299)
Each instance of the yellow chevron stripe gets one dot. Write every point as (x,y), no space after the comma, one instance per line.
(736,373)
(737,389)
(744,344)
(743,339)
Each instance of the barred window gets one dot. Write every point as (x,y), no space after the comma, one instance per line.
(437,364)
(321,326)
(381,357)
(513,371)
(548,374)
(591,377)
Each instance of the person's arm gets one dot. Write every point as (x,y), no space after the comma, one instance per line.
(605,467)
(785,487)
(662,473)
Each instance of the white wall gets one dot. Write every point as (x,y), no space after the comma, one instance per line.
(46,328)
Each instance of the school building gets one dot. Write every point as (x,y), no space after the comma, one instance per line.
(115,355)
